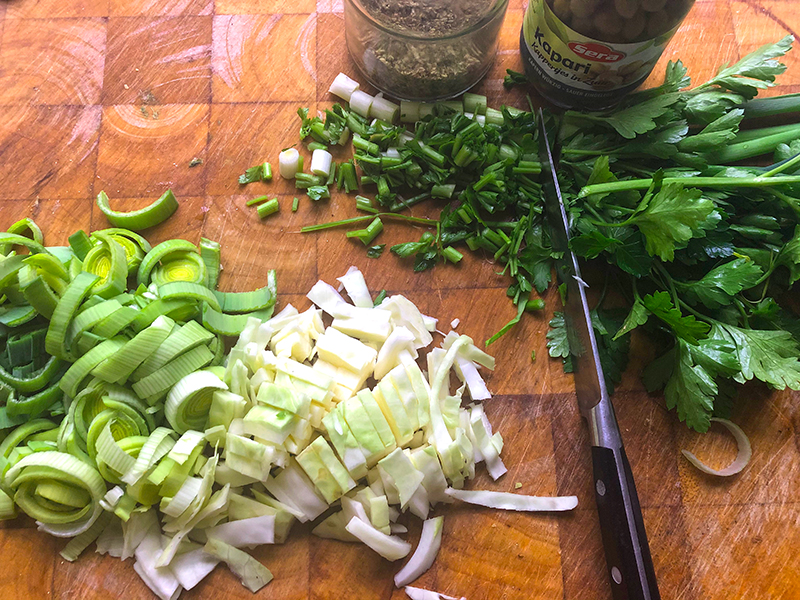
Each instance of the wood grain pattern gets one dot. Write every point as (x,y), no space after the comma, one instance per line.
(120,95)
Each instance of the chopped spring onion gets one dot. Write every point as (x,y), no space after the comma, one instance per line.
(519,502)
(742,456)
(268,208)
(289,163)
(383,109)
(360,103)
(429,542)
(321,163)
(150,216)
(343,87)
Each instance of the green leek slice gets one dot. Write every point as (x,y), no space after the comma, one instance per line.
(244,302)
(81,368)
(37,380)
(159,253)
(189,401)
(150,216)
(160,381)
(107,260)
(135,245)
(33,406)
(188,336)
(118,367)
(230,325)
(184,290)
(180,266)
(210,251)
(74,295)
(14,239)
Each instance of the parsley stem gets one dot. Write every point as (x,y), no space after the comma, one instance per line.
(789,163)
(700,182)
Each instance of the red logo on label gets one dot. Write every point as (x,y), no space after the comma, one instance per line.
(596,52)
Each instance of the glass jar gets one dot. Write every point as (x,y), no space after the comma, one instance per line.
(423,49)
(589,54)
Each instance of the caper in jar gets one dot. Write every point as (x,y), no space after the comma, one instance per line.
(633,28)
(626,8)
(561,9)
(608,23)
(653,5)
(583,8)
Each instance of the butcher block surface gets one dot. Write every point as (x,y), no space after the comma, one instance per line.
(122,95)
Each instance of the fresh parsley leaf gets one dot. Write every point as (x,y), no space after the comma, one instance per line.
(691,390)
(637,316)
(538,262)
(375,251)
(789,256)
(557,340)
(630,254)
(717,133)
(671,218)
(686,327)
(593,244)
(718,286)
(642,117)
(613,350)
(252,175)
(768,355)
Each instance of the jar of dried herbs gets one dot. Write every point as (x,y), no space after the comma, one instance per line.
(423,49)
(590,53)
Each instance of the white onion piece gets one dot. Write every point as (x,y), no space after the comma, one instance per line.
(389,547)
(360,103)
(343,87)
(289,163)
(519,502)
(429,542)
(742,457)
(321,162)
(420,594)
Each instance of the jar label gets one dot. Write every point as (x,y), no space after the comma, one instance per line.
(582,67)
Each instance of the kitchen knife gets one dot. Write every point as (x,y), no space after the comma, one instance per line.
(628,558)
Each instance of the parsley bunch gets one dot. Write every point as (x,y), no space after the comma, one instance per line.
(704,252)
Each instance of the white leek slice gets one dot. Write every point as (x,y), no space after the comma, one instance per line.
(158,444)
(253,574)
(742,456)
(360,103)
(190,568)
(245,532)
(519,502)
(356,287)
(429,542)
(343,87)
(420,594)
(388,546)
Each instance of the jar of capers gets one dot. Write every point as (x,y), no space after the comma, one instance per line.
(589,53)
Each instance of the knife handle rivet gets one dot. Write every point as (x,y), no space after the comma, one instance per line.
(601,488)
(616,575)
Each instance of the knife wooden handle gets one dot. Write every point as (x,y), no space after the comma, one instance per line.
(627,551)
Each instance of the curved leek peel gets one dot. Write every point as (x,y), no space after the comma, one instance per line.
(159,253)
(65,311)
(245,302)
(184,290)
(135,246)
(28,226)
(58,490)
(150,216)
(209,251)
(742,455)
(108,261)
(14,239)
(189,401)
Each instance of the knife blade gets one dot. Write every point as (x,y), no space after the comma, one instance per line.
(630,566)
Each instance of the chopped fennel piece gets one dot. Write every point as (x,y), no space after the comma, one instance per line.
(353,508)
(343,87)
(427,462)
(356,287)
(377,418)
(329,300)
(405,313)
(161,580)
(344,351)
(419,503)
(289,163)
(519,502)
(374,327)
(111,540)
(389,547)
(345,443)
(429,542)
(135,529)
(333,464)
(420,594)
(190,568)
(742,456)
(253,574)
(404,476)
(245,532)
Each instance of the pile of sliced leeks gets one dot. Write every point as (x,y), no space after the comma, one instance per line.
(126,425)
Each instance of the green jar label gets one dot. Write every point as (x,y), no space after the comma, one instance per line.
(576,65)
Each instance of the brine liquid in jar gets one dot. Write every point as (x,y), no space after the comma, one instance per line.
(589,54)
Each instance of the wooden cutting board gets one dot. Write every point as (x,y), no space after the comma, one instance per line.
(121,95)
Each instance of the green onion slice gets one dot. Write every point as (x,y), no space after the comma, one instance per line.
(58,490)
(210,251)
(189,401)
(136,220)
(184,290)
(107,260)
(159,253)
